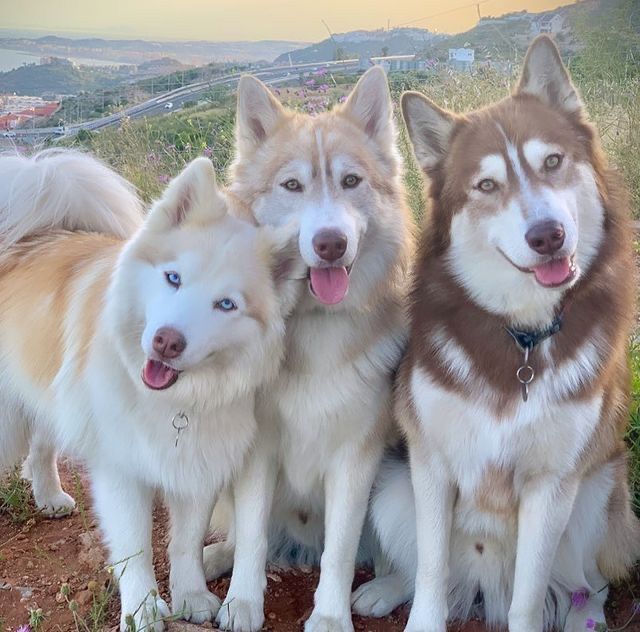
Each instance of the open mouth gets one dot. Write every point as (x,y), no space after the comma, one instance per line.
(555,272)
(329,285)
(157,375)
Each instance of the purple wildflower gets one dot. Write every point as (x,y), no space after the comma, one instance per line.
(208,151)
(342,99)
(163,179)
(579,598)
(590,624)
(310,82)
(25,627)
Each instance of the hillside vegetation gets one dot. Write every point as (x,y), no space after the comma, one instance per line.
(58,77)
(400,41)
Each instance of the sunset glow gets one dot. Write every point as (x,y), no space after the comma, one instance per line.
(249,19)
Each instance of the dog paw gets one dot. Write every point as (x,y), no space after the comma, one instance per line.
(241,615)
(426,624)
(427,627)
(589,616)
(57,506)
(148,616)
(217,560)
(320,623)
(196,607)
(379,597)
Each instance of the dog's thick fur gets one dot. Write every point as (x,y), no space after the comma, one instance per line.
(83,293)
(325,420)
(518,503)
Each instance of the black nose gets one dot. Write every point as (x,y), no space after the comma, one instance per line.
(330,244)
(546,238)
(169,343)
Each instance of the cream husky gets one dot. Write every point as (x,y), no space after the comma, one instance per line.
(137,350)
(513,395)
(325,419)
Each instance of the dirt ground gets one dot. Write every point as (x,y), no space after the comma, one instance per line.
(39,556)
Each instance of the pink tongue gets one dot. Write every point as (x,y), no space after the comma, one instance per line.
(554,272)
(158,375)
(330,285)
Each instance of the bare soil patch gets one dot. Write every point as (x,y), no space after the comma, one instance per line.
(38,556)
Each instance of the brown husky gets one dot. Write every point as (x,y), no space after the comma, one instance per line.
(513,394)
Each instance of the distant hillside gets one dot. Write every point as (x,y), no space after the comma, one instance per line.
(58,77)
(138,51)
(505,37)
(401,41)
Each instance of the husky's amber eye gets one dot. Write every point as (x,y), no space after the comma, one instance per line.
(225,305)
(351,181)
(552,162)
(487,185)
(292,185)
(173,279)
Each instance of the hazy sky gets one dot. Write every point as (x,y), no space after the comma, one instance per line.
(247,19)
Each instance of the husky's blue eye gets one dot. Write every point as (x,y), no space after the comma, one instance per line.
(173,279)
(225,305)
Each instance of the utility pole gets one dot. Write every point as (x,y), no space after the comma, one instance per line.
(331,36)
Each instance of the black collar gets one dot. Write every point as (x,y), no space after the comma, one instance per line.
(529,339)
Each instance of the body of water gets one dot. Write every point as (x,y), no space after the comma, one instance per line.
(10,59)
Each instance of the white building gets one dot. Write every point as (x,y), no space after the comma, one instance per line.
(394,63)
(548,24)
(462,58)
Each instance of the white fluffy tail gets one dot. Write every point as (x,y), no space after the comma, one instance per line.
(62,188)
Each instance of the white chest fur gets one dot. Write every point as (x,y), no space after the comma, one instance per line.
(545,434)
(331,393)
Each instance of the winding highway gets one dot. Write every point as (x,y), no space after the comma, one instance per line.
(157,105)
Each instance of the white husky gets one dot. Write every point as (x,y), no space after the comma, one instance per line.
(324,421)
(138,355)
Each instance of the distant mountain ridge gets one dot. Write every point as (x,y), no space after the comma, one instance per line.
(136,51)
(398,41)
(493,37)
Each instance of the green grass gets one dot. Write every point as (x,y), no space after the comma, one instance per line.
(149,152)
(36,619)
(16,500)
(95,619)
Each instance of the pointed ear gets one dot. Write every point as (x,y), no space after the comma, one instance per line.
(545,76)
(429,128)
(258,113)
(192,197)
(369,105)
